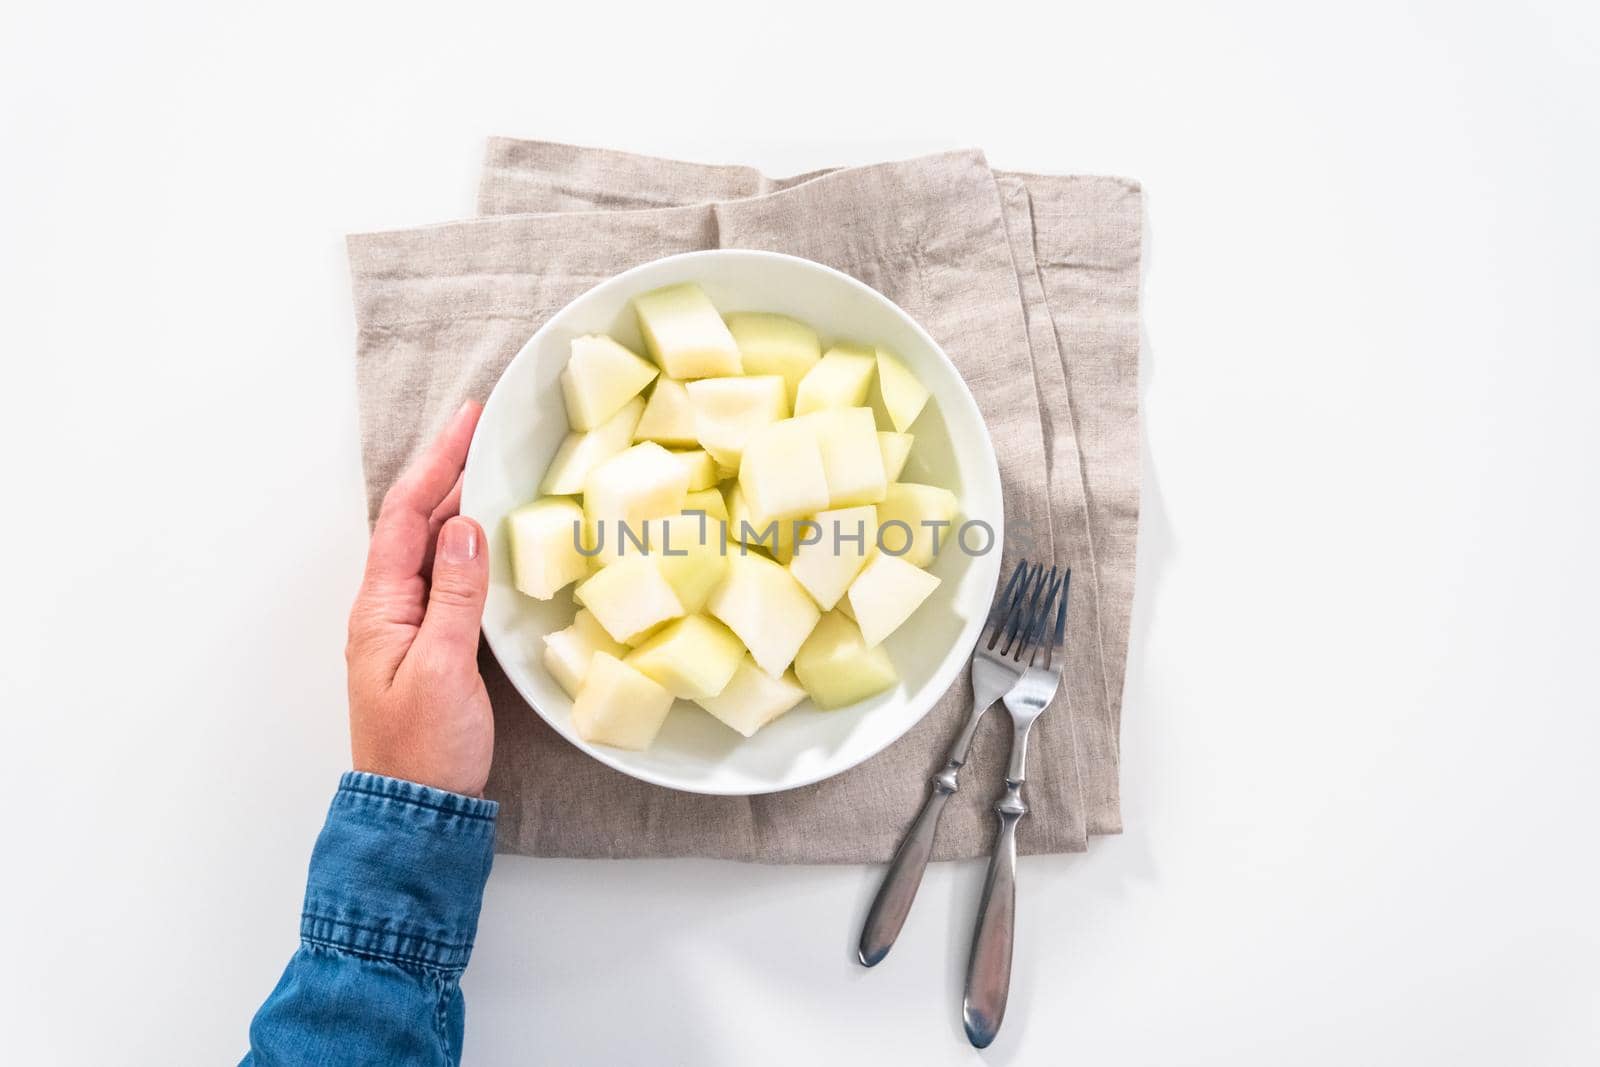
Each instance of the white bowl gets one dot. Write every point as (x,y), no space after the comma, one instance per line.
(524,421)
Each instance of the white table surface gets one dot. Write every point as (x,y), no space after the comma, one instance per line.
(1362,719)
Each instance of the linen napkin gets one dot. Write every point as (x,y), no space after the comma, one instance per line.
(440,311)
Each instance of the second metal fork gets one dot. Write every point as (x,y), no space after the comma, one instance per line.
(1017,622)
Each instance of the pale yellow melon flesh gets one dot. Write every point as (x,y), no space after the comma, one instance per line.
(776,537)
(709,501)
(544,546)
(837,667)
(903,396)
(567,652)
(885,594)
(701,467)
(896,449)
(840,379)
(913,505)
(691,658)
(668,418)
(852,459)
(838,547)
(643,482)
(728,410)
(629,598)
(619,706)
(581,452)
(769,611)
(753,698)
(691,553)
(775,344)
(685,334)
(782,476)
(599,378)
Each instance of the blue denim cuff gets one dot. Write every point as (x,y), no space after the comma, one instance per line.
(398,873)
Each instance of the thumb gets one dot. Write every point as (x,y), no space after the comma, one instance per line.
(455,599)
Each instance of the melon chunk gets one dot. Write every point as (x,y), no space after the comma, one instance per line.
(599,378)
(852,460)
(701,467)
(684,333)
(691,658)
(775,344)
(544,546)
(782,475)
(618,705)
(629,598)
(768,610)
(896,448)
(827,565)
(709,501)
(776,537)
(642,482)
(916,506)
(691,553)
(668,418)
(753,698)
(837,667)
(567,652)
(840,379)
(580,453)
(885,594)
(728,410)
(903,396)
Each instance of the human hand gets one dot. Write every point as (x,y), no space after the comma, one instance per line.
(418,707)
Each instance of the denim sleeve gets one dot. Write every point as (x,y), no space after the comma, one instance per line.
(391,907)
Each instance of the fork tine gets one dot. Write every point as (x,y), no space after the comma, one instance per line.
(1040,640)
(1022,620)
(1010,603)
(1039,619)
(1002,603)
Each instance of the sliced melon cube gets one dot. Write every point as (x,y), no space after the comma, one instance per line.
(728,410)
(629,598)
(599,378)
(775,344)
(668,418)
(640,483)
(752,698)
(885,594)
(840,379)
(544,546)
(691,658)
(852,460)
(843,608)
(768,610)
(618,705)
(684,333)
(580,453)
(827,565)
(903,396)
(837,667)
(709,501)
(896,448)
(916,506)
(691,553)
(701,467)
(776,537)
(567,652)
(782,476)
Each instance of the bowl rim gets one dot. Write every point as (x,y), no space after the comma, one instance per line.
(949,669)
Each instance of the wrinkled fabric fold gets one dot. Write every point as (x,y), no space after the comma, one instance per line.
(442,309)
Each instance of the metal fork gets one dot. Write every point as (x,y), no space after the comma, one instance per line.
(989,967)
(997,665)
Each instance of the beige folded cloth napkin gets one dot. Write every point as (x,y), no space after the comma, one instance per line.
(1031,285)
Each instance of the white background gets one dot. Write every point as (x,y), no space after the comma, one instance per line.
(1362,719)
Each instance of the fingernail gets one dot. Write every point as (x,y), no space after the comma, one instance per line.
(459,541)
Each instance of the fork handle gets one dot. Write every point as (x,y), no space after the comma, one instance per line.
(893,902)
(983,1007)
